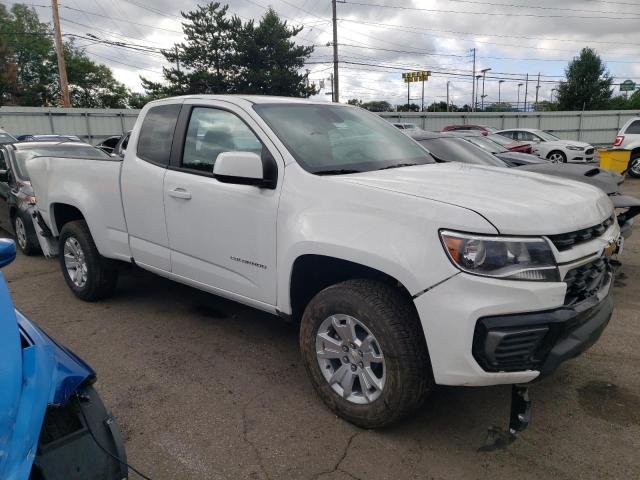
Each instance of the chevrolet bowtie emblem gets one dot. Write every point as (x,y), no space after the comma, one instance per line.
(610,249)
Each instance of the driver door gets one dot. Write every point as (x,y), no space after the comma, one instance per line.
(222,236)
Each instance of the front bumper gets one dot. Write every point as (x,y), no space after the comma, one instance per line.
(454,314)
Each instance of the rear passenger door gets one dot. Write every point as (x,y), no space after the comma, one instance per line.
(222,235)
(142,182)
(5,221)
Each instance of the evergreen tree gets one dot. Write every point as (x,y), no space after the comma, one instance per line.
(268,60)
(588,84)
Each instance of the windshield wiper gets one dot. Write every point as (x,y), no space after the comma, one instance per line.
(340,171)
(398,165)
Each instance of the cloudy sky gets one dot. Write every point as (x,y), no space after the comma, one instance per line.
(379,39)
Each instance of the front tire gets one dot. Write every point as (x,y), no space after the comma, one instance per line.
(634,166)
(363,347)
(26,236)
(557,157)
(88,274)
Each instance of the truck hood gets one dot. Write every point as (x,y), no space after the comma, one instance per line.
(517,203)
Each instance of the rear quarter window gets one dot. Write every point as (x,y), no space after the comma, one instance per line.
(634,128)
(156,133)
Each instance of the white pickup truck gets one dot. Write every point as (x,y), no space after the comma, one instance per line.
(403,272)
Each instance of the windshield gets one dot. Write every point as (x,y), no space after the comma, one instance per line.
(546,136)
(6,138)
(334,139)
(61,150)
(487,144)
(455,149)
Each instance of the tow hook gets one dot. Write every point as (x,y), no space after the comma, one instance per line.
(498,438)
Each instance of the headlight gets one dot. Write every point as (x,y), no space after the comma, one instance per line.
(501,257)
(573,147)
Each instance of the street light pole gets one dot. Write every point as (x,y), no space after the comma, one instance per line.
(475,104)
(484,74)
(448,95)
(500,82)
(518,103)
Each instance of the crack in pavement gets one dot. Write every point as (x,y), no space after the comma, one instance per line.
(336,467)
(245,434)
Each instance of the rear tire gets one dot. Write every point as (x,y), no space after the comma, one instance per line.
(557,156)
(26,236)
(634,166)
(378,311)
(88,274)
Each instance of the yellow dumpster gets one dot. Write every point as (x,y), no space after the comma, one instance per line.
(614,159)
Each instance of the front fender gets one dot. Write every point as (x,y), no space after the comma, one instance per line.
(393,233)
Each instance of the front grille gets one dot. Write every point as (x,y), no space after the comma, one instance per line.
(585,281)
(589,151)
(565,241)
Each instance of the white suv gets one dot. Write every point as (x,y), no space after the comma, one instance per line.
(629,139)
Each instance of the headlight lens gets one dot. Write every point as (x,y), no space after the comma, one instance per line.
(573,147)
(501,257)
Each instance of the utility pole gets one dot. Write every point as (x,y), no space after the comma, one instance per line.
(448,95)
(484,73)
(408,97)
(336,90)
(518,102)
(537,88)
(62,69)
(475,103)
(333,90)
(526,89)
(500,82)
(473,83)
(422,96)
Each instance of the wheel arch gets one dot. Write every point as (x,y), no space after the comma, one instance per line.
(63,213)
(311,273)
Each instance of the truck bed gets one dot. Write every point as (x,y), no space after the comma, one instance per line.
(92,186)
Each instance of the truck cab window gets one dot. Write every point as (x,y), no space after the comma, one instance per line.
(156,133)
(212,132)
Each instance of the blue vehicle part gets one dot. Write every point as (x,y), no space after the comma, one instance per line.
(35,372)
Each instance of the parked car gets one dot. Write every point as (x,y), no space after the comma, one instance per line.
(482,129)
(552,148)
(53,424)
(6,137)
(48,138)
(109,143)
(403,272)
(629,139)
(474,149)
(17,201)
(511,145)
(406,126)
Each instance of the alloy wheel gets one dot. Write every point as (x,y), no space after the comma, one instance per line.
(350,359)
(21,233)
(556,157)
(75,262)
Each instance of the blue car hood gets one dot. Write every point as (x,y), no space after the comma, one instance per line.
(34,372)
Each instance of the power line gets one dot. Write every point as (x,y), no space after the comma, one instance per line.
(492,14)
(539,7)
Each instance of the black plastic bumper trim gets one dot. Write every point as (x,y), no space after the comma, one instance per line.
(572,330)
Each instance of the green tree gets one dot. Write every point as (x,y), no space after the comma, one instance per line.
(355,102)
(92,85)
(268,60)
(223,55)
(588,84)
(34,55)
(8,74)
(408,107)
(378,106)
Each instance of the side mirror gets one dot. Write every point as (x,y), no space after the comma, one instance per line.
(7,251)
(242,168)
(4,176)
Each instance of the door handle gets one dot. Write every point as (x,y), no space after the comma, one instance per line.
(180,193)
